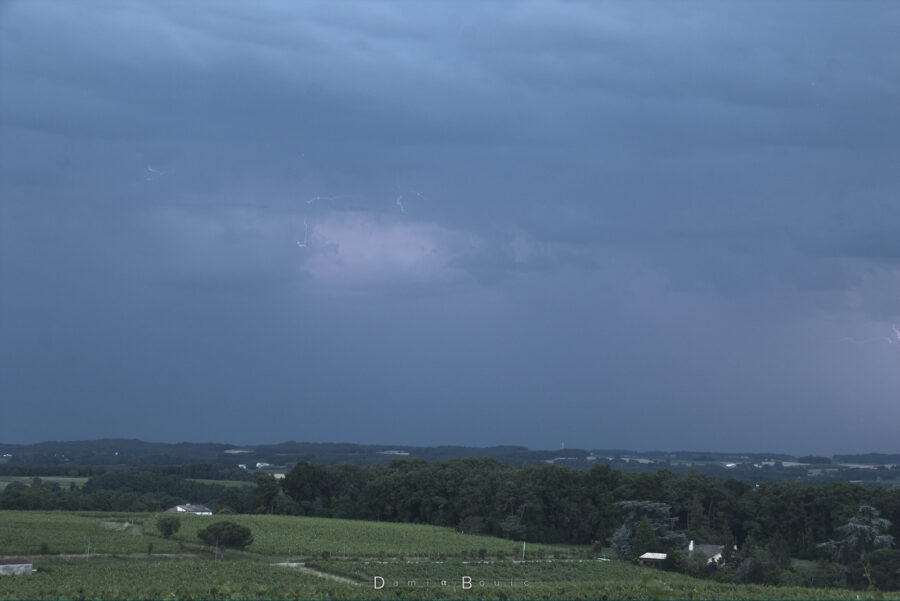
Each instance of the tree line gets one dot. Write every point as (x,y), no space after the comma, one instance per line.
(548,504)
(557,505)
(539,503)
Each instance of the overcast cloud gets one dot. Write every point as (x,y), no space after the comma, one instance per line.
(609,224)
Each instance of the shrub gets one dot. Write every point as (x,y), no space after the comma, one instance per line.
(168,525)
(226,534)
(883,569)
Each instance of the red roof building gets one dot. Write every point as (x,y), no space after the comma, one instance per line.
(11,566)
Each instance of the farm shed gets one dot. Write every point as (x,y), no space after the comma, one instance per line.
(11,566)
(651,558)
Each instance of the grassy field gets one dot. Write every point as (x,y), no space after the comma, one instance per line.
(415,562)
(23,533)
(304,537)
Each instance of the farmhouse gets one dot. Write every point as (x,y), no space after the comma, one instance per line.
(11,566)
(713,552)
(192,509)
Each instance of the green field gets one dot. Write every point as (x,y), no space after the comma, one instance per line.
(310,537)
(23,532)
(558,579)
(415,562)
(193,578)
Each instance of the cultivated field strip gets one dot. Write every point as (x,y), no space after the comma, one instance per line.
(412,561)
(311,537)
(554,579)
(193,578)
(25,533)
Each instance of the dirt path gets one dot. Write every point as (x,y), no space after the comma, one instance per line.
(302,568)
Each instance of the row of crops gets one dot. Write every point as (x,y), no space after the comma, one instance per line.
(203,578)
(554,579)
(412,561)
(33,532)
(189,578)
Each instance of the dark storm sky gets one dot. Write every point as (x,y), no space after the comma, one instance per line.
(651,225)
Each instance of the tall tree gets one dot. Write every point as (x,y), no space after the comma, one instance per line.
(644,539)
(265,493)
(659,518)
(864,532)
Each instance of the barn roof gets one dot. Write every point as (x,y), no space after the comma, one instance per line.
(14,561)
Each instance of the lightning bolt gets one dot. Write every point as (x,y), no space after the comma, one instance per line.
(322,198)
(153,174)
(866,340)
(305,234)
(887,339)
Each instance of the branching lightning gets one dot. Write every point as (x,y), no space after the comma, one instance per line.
(153,174)
(400,195)
(305,234)
(322,199)
(886,339)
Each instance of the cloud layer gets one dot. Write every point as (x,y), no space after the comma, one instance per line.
(622,225)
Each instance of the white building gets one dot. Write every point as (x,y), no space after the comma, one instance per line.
(191,509)
(13,566)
